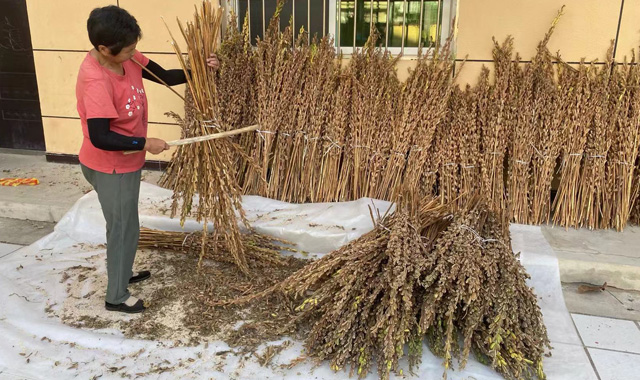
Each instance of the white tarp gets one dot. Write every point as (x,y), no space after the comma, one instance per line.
(36,346)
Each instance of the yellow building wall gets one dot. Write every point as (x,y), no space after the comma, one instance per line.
(60,42)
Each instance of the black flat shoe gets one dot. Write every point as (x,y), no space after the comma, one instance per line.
(141,276)
(137,308)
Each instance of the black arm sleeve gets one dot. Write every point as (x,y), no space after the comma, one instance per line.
(170,77)
(102,137)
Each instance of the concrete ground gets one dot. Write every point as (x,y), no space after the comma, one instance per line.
(61,185)
(23,232)
(587,258)
(605,319)
(597,256)
(612,302)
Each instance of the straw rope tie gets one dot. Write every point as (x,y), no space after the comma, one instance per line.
(262,133)
(478,237)
(538,152)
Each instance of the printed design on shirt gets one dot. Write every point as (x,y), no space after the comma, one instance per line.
(134,103)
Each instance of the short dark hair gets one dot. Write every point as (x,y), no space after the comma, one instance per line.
(112,27)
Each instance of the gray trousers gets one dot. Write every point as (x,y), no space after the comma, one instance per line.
(118,195)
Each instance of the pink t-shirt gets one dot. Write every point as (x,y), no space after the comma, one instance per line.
(101,93)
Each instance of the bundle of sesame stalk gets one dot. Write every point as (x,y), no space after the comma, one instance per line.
(591,189)
(374,105)
(546,139)
(289,110)
(498,114)
(298,148)
(424,110)
(447,148)
(206,168)
(259,249)
(276,84)
(529,163)
(579,114)
(320,89)
(422,274)
(622,169)
(458,150)
(469,145)
(236,94)
(520,148)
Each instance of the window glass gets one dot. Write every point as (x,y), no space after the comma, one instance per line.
(305,11)
(402,17)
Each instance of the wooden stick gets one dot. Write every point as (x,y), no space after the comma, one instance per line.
(212,136)
(158,78)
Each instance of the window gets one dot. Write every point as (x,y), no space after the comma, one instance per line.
(303,12)
(403,25)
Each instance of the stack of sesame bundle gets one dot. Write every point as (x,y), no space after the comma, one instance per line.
(599,144)
(422,273)
(331,133)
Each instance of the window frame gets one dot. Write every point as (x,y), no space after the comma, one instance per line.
(446,19)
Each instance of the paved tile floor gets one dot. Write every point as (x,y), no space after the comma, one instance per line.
(613,345)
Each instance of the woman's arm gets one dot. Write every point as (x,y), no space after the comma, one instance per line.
(175,76)
(170,77)
(102,137)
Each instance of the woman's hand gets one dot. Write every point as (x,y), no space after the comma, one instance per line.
(213,62)
(155,146)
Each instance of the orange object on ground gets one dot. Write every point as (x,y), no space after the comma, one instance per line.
(18,181)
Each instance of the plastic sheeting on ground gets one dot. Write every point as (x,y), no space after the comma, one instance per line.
(36,346)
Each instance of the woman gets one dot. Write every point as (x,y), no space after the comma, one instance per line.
(112,105)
